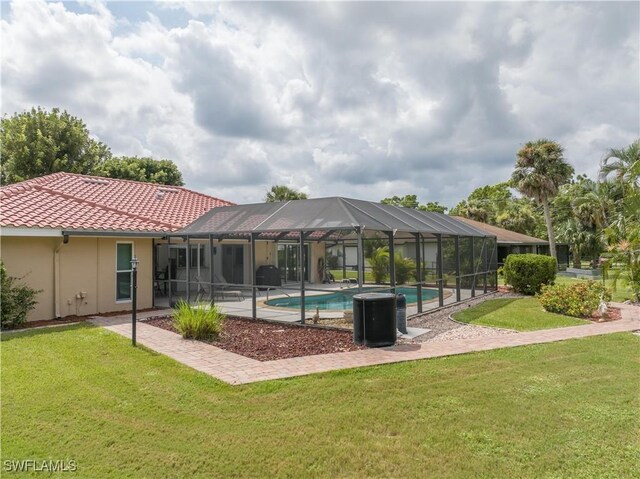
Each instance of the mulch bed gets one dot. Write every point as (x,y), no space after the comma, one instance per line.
(613,314)
(266,341)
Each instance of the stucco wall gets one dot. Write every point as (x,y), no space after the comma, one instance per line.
(32,258)
(87,268)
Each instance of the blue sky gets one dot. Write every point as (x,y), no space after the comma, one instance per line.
(356,99)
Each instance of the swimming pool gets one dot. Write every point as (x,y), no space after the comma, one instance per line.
(343,300)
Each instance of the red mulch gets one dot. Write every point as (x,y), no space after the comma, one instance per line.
(267,341)
(613,314)
(74,319)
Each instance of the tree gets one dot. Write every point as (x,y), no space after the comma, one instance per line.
(145,169)
(539,172)
(407,201)
(283,193)
(582,240)
(434,207)
(520,216)
(623,230)
(498,195)
(475,210)
(580,211)
(36,143)
(624,163)
(379,262)
(485,203)
(411,201)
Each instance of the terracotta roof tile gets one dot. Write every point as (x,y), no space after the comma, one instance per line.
(71,201)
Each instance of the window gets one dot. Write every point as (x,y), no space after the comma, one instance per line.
(124,253)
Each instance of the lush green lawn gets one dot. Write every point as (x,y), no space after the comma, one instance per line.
(521,314)
(568,409)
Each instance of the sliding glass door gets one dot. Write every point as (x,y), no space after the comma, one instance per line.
(289,260)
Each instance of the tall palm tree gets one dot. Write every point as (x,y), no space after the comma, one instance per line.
(625,163)
(283,193)
(540,170)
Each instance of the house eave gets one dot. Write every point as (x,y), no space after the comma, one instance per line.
(31,232)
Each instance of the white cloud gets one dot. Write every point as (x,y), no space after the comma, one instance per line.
(365,100)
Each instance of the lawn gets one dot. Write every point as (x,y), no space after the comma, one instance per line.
(338,275)
(521,314)
(568,409)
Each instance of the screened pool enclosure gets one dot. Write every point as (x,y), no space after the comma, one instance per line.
(288,260)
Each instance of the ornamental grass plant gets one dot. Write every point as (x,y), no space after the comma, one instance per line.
(200,321)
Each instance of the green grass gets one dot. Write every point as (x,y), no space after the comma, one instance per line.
(620,294)
(521,314)
(339,276)
(568,409)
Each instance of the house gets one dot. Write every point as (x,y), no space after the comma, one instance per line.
(73,237)
(511,242)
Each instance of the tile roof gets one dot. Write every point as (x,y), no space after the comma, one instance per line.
(503,235)
(82,202)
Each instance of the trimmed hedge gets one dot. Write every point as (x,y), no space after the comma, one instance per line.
(580,299)
(526,273)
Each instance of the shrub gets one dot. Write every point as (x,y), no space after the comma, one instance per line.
(405,269)
(203,321)
(379,262)
(526,273)
(579,299)
(16,300)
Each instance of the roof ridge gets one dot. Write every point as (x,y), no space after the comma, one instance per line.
(39,180)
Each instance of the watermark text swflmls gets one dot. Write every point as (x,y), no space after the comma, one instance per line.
(36,465)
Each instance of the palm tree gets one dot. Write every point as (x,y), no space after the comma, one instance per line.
(578,237)
(283,193)
(595,204)
(625,163)
(379,262)
(540,171)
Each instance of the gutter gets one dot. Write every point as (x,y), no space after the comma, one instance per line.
(127,234)
(56,276)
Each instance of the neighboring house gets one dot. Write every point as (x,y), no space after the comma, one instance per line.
(73,236)
(511,242)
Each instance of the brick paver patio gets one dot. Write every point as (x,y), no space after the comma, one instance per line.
(235,369)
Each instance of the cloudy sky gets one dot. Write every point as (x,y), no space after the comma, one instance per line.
(363,100)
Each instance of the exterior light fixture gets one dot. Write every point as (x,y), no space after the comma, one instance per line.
(134,297)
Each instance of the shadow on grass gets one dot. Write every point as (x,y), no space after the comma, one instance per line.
(9,334)
(475,312)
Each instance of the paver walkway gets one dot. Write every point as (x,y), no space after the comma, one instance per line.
(235,369)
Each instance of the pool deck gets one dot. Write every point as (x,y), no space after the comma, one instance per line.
(241,306)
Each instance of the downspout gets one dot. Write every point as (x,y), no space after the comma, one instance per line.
(56,276)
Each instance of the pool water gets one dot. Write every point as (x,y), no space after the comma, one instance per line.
(343,300)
